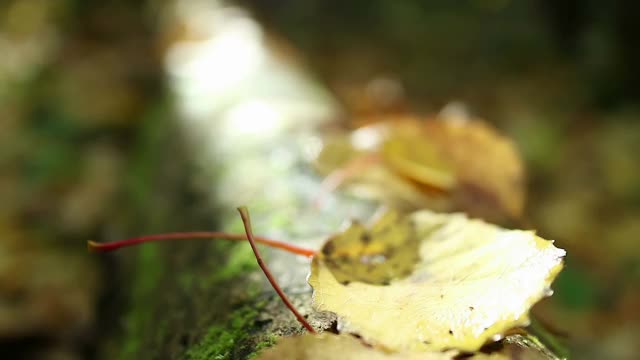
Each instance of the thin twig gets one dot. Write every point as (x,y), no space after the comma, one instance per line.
(111,246)
(244,214)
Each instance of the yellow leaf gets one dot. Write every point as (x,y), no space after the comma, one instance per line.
(431,281)
(410,153)
(327,346)
(331,347)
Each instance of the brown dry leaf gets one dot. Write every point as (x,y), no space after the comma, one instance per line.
(407,153)
(442,164)
(486,164)
(400,144)
(365,176)
(431,281)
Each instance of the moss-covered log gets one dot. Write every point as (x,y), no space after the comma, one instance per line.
(245,144)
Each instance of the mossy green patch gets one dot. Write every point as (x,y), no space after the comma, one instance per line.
(268,341)
(143,168)
(147,276)
(146,156)
(224,342)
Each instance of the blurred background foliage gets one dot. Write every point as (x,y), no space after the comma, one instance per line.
(82,85)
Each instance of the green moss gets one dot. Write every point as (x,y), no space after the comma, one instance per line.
(147,269)
(239,261)
(268,341)
(222,342)
(147,276)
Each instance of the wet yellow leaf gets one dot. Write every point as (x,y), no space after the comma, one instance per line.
(431,281)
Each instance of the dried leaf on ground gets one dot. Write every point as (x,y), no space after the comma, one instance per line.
(486,164)
(431,281)
(443,164)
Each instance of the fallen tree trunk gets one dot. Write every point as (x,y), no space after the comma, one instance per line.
(245,143)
